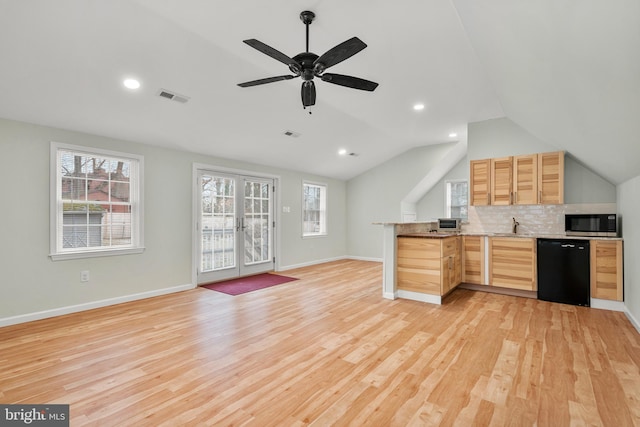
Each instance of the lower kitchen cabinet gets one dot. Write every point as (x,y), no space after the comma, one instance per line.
(606,269)
(512,263)
(428,265)
(473,260)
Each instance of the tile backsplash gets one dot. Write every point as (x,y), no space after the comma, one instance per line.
(533,219)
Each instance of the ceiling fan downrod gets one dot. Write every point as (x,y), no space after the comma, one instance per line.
(307,18)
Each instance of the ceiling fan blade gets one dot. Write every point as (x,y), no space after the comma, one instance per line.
(308,93)
(349,81)
(340,52)
(268,50)
(267,80)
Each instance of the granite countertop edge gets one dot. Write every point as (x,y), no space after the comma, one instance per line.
(435,235)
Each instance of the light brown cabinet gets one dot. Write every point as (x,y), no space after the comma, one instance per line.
(428,265)
(606,269)
(518,180)
(451,266)
(501,181)
(512,263)
(551,178)
(473,260)
(525,179)
(480,182)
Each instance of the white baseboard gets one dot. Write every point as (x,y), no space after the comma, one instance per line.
(607,304)
(362,258)
(418,296)
(29,317)
(388,295)
(310,263)
(632,319)
(322,261)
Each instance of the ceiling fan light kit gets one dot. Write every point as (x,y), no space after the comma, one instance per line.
(308,65)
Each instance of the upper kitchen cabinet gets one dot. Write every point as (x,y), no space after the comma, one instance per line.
(518,180)
(480,182)
(525,179)
(501,181)
(551,178)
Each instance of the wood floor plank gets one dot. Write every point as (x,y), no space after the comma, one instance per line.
(327,349)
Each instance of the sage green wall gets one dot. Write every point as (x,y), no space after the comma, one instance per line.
(502,137)
(628,208)
(431,206)
(375,196)
(31,282)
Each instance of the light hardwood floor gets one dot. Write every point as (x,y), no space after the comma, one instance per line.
(329,350)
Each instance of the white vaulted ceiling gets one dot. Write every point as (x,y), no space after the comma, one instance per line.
(567,71)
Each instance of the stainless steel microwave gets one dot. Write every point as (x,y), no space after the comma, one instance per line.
(449,224)
(596,225)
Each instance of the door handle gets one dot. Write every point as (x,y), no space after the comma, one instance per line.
(237,224)
(243,226)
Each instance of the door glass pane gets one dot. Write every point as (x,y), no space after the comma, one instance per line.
(217,219)
(257,219)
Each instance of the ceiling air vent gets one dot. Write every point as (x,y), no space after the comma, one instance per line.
(163,93)
(291,133)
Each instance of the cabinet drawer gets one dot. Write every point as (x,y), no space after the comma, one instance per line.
(449,246)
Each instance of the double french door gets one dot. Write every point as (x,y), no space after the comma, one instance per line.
(235,225)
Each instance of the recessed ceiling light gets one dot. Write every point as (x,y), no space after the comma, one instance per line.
(131,83)
(342,152)
(418,107)
(453,135)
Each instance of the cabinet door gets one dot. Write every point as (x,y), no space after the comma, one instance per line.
(606,269)
(480,182)
(501,178)
(551,178)
(418,265)
(512,263)
(525,180)
(473,259)
(446,266)
(457,263)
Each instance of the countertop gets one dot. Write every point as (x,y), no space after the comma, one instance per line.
(431,235)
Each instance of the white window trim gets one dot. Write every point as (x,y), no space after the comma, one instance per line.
(446,199)
(326,211)
(137,205)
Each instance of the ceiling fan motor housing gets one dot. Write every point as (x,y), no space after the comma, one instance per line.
(306,61)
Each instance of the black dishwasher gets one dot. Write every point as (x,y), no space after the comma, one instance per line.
(563,271)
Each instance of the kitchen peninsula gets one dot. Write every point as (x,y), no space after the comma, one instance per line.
(423,265)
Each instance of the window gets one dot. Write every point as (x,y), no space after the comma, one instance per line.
(96,203)
(456,199)
(314,220)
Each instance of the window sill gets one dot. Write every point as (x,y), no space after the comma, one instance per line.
(95,254)
(313,236)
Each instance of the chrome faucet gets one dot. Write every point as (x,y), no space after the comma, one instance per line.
(514,226)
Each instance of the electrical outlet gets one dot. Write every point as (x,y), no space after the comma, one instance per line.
(84,276)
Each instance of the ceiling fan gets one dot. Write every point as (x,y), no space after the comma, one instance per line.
(308,65)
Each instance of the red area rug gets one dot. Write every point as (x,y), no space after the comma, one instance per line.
(242,285)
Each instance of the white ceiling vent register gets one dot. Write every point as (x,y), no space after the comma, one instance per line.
(172,96)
